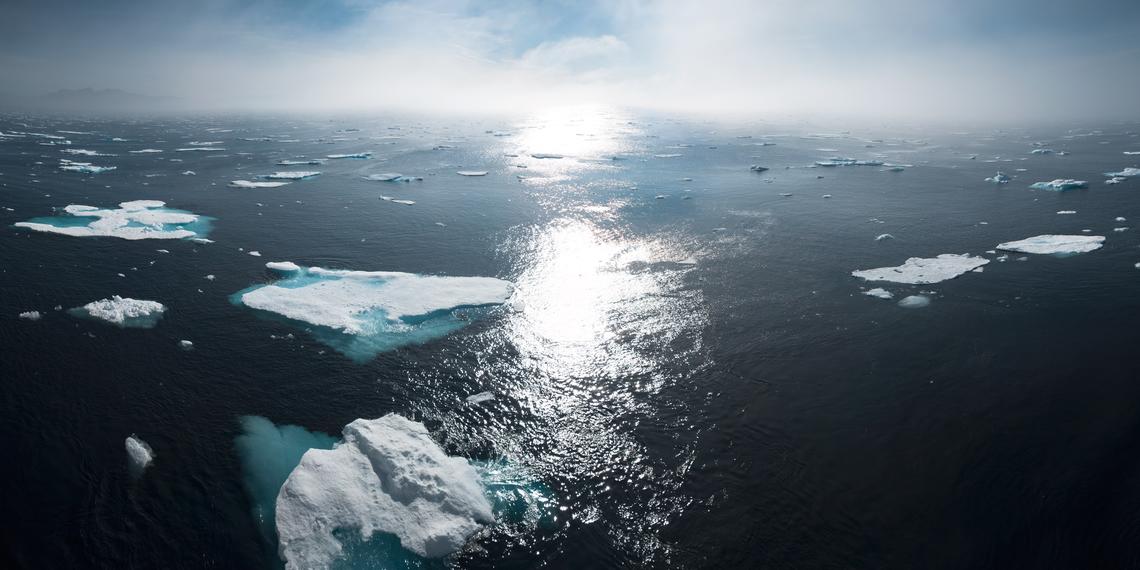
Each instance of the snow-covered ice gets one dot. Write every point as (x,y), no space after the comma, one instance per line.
(123,311)
(292,175)
(879,292)
(914,302)
(920,270)
(313,162)
(397,200)
(255,184)
(84,167)
(137,219)
(353,155)
(472,173)
(1060,184)
(1049,243)
(838,161)
(1124,173)
(139,454)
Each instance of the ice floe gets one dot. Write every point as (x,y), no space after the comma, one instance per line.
(362,313)
(30,315)
(139,454)
(283,266)
(914,301)
(392,177)
(84,167)
(921,271)
(1049,243)
(145,151)
(313,162)
(1124,173)
(386,476)
(480,397)
(757,168)
(546,155)
(1060,184)
(880,293)
(999,178)
(138,219)
(256,184)
(472,173)
(123,311)
(84,152)
(292,175)
(838,161)
(353,155)
(1066,212)
(397,200)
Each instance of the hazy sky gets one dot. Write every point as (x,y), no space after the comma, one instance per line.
(955,58)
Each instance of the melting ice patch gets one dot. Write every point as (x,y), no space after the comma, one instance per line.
(138,219)
(1059,244)
(123,311)
(925,270)
(1060,185)
(363,313)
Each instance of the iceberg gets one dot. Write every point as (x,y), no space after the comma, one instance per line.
(363,313)
(1059,244)
(1060,184)
(1125,173)
(186,345)
(84,167)
(139,454)
(999,178)
(138,219)
(923,271)
(832,162)
(386,476)
(292,175)
(353,155)
(256,184)
(300,162)
(397,200)
(914,302)
(122,311)
(472,173)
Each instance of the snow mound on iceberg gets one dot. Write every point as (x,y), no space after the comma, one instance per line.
(362,313)
(925,270)
(387,476)
(137,219)
(1048,243)
(123,311)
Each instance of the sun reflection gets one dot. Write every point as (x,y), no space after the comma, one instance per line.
(560,141)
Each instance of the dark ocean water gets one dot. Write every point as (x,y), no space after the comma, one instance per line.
(696,379)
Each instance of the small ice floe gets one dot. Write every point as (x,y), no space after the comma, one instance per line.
(668,155)
(292,175)
(145,151)
(838,161)
(922,271)
(201,240)
(1125,173)
(546,155)
(1066,212)
(660,197)
(313,162)
(392,177)
(757,168)
(201,149)
(879,292)
(999,178)
(1048,243)
(914,302)
(204,143)
(185,345)
(255,253)
(123,311)
(138,219)
(1121,219)
(31,315)
(1060,185)
(139,455)
(84,167)
(1120,229)
(283,266)
(1115,180)
(397,200)
(353,155)
(1041,151)
(882,237)
(210,277)
(255,184)
(786,194)
(83,152)
(189,173)
(480,397)
(826,196)
(472,173)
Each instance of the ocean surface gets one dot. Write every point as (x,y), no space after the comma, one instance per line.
(686,372)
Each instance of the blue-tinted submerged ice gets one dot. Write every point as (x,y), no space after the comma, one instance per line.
(138,219)
(924,270)
(363,313)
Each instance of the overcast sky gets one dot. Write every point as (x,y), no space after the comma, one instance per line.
(976,59)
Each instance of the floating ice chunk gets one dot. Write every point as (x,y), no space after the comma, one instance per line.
(545,155)
(757,168)
(353,155)
(1119,229)
(882,237)
(921,271)
(397,200)
(255,184)
(145,151)
(189,173)
(1066,212)
(363,313)
(1049,243)
(914,302)
(313,162)
(1121,219)
(139,454)
(837,161)
(185,345)
(255,253)
(1060,184)
(472,173)
(200,149)
(999,178)
(879,292)
(1125,173)
(84,167)
(387,476)
(123,311)
(480,397)
(31,315)
(283,266)
(1041,151)
(138,219)
(292,175)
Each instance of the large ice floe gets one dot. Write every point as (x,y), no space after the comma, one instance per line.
(137,219)
(363,313)
(1060,185)
(925,270)
(1056,244)
(385,497)
(123,311)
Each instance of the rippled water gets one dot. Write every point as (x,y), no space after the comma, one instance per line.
(686,366)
